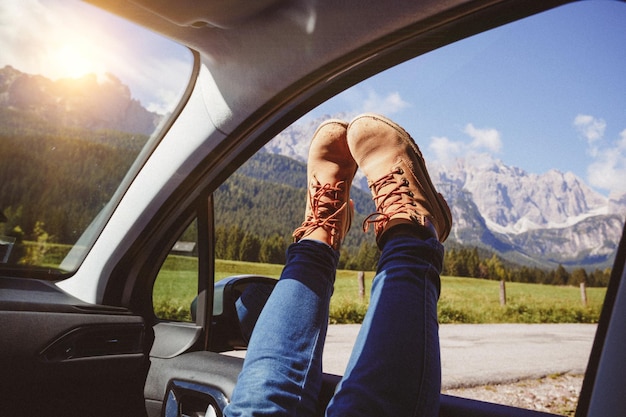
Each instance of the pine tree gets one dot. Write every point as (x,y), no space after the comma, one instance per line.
(249,248)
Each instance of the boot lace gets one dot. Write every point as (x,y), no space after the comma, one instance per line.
(390,202)
(326,209)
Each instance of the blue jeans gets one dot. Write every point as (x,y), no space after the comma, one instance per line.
(395,367)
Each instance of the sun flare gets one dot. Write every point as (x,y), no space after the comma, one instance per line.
(73,60)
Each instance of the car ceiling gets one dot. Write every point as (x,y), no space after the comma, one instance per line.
(258,51)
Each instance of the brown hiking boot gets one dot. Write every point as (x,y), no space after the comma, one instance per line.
(330,170)
(396,172)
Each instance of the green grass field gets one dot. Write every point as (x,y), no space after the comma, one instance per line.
(463,300)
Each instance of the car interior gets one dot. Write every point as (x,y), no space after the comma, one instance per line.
(83,337)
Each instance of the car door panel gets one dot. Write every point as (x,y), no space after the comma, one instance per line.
(203,378)
(174,339)
(452,406)
(71,357)
(195,380)
(204,369)
(606,369)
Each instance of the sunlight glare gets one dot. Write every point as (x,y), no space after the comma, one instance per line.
(72,60)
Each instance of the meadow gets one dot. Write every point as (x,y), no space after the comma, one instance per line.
(462,300)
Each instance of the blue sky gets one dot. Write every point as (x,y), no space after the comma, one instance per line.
(548,92)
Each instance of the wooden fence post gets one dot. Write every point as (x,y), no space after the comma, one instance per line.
(583,293)
(502,293)
(361,279)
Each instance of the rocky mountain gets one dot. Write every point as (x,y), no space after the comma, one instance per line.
(549,219)
(536,219)
(85,102)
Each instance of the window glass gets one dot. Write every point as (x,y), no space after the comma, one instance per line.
(524,130)
(81,94)
(176,285)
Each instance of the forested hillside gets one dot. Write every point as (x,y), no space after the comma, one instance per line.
(264,201)
(257,208)
(70,172)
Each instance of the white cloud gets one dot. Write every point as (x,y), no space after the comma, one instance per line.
(160,81)
(591,128)
(390,104)
(482,141)
(444,149)
(608,167)
(361,99)
(21,46)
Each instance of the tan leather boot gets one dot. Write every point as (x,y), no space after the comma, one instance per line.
(396,172)
(330,171)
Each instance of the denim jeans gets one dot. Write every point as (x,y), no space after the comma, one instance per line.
(395,367)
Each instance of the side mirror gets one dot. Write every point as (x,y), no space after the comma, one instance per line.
(237,303)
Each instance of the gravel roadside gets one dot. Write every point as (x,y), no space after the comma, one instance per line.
(557,394)
(504,364)
(501,363)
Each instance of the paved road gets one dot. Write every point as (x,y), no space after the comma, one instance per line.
(484,354)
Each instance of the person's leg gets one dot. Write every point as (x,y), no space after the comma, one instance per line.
(395,366)
(394,369)
(282,371)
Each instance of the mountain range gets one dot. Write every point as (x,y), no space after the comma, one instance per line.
(533,219)
(86,102)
